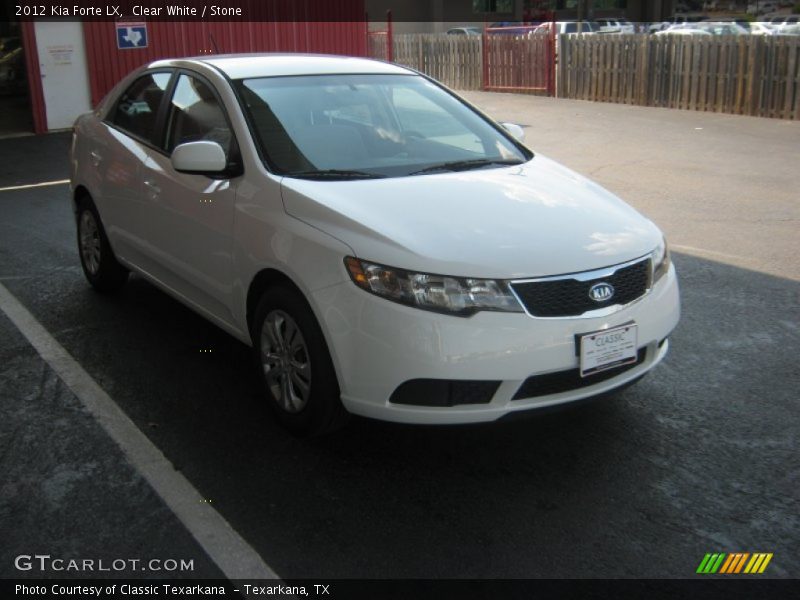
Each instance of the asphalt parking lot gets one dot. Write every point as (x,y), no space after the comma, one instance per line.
(700,456)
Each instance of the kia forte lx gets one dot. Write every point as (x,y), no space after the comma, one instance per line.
(385,248)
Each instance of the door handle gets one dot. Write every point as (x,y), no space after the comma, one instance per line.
(151,185)
(96,158)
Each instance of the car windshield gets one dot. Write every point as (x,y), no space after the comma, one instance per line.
(364,126)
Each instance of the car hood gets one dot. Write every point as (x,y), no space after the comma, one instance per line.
(530,220)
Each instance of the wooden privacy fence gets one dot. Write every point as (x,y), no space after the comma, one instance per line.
(518,63)
(379,44)
(749,74)
(455,60)
(497,62)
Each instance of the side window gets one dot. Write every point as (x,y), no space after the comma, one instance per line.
(137,108)
(195,115)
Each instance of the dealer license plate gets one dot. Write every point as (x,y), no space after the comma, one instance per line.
(606,349)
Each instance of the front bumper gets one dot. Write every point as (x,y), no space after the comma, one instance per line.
(377,345)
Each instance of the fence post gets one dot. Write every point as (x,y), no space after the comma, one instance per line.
(791,82)
(368,52)
(642,71)
(560,59)
(485,60)
(389,37)
(554,56)
(753,83)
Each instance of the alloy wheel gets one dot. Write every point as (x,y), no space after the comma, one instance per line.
(285,361)
(90,242)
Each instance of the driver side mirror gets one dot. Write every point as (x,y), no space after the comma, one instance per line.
(201,158)
(515,130)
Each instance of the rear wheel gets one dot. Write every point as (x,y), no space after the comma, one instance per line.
(296,370)
(100,266)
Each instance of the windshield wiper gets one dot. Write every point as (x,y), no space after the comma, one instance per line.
(464,165)
(335,174)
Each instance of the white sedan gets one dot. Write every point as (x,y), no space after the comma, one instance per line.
(683,31)
(385,248)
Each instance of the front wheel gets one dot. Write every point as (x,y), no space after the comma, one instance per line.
(296,370)
(100,266)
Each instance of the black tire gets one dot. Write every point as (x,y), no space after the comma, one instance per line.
(302,389)
(99,264)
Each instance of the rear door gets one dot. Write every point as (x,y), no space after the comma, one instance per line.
(118,154)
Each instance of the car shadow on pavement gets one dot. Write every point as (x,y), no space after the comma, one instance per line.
(671,462)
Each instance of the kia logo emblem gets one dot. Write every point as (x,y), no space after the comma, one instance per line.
(600,292)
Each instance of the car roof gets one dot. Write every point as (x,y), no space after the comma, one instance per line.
(243,66)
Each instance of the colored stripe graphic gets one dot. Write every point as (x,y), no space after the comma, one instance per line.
(741,562)
(758,563)
(726,566)
(711,563)
(734,563)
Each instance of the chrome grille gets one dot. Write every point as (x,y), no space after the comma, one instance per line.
(568,295)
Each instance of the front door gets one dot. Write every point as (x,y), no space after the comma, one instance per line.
(191,216)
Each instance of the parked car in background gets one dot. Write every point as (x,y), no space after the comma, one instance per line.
(385,248)
(614,26)
(779,23)
(9,44)
(464,31)
(510,28)
(789,30)
(567,27)
(12,66)
(759,28)
(683,31)
(706,28)
(663,25)
(723,28)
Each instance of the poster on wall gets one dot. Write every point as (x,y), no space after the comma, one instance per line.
(61,54)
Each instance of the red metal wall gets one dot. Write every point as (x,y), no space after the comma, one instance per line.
(329,27)
(36,94)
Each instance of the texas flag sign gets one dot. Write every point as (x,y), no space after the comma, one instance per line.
(131,35)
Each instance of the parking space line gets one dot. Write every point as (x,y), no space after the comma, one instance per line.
(28,186)
(229,551)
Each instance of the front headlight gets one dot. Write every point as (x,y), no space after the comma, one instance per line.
(660,260)
(460,296)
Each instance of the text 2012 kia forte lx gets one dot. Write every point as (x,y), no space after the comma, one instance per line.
(386,249)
